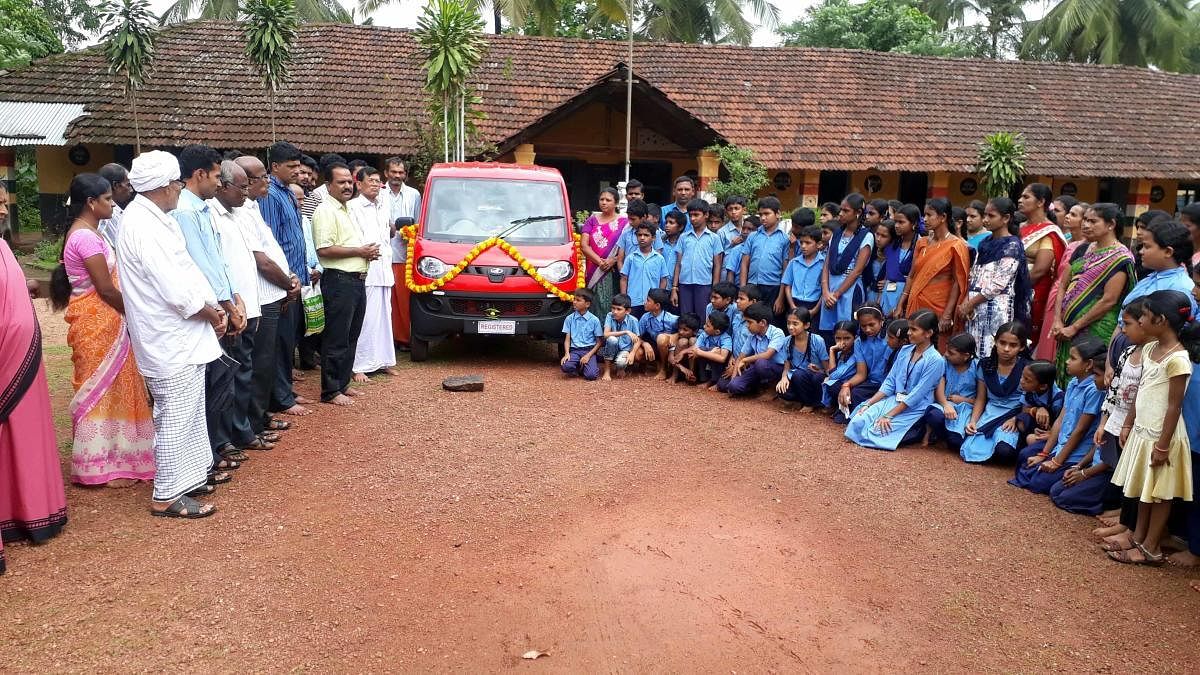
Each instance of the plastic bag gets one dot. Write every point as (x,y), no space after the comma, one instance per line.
(314,309)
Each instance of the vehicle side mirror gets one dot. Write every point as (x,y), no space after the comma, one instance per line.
(405,221)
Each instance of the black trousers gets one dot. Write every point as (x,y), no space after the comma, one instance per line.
(345,297)
(236,428)
(218,401)
(264,366)
(289,332)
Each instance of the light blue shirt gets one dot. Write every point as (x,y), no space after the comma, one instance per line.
(728,233)
(1083,398)
(917,381)
(737,329)
(662,222)
(584,329)
(874,352)
(671,252)
(962,384)
(868,242)
(653,326)
(804,277)
(719,341)
(1190,413)
(624,342)
(773,338)
(204,243)
(733,261)
(730,311)
(310,251)
(698,253)
(643,272)
(816,354)
(1174,279)
(766,251)
(628,240)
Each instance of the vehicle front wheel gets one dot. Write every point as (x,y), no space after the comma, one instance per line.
(418,349)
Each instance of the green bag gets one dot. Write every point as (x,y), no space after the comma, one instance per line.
(314,309)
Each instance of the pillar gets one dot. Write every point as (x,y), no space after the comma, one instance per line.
(939,185)
(1139,196)
(810,188)
(524,154)
(710,167)
(8,178)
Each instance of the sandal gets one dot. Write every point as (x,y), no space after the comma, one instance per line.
(1126,558)
(270,436)
(219,477)
(258,444)
(185,507)
(1113,547)
(202,491)
(226,465)
(278,425)
(232,453)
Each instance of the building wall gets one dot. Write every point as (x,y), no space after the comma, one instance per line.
(889,184)
(55,172)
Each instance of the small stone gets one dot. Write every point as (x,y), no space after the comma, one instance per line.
(463,383)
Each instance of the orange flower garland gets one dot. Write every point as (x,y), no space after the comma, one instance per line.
(410,234)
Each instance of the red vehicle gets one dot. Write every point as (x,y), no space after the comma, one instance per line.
(467,203)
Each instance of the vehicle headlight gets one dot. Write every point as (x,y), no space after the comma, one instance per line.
(557,271)
(432,267)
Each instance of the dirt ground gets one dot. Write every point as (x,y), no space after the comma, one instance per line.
(631,526)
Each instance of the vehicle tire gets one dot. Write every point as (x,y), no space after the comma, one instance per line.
(418,349)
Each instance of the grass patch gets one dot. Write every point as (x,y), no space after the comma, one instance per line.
(45,254)
(59,369)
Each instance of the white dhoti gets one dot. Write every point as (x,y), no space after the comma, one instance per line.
(181,448)
(376,350)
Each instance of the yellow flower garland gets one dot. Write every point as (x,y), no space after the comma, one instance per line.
(410,234)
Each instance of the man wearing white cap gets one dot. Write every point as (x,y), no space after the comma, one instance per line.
(174,324)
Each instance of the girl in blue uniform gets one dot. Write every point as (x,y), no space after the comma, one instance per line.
(892,416)
(871,352)
(997,391)
(1039,467)
(842,363)
(947,417)
(1040,406)
(805,366)
(885,234)
(848,256)
(898,260)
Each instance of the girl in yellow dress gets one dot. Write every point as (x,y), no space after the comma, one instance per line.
(1156,467)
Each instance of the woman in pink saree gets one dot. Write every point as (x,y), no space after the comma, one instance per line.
(600,235)
(110,413)
(33,505)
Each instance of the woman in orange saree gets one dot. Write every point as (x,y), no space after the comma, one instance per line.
(940,266)
(110,413)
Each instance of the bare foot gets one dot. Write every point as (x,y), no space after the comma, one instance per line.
(1111,513)
(806,409)
(1195,584)
(1184,559)
(1109,521)
(298,374)
(1102,532)
(121,482)
(352,392)
(606,377)
(391,371)
(769,396)
(660,375)
(297,410)
(360,377)
(342,400)
(303,401)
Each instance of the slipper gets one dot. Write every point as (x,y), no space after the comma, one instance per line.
(232,453)
(219,477)
(258,444)
(185,507)
(226,465)
(270,436)
(1125,558)
(1112,546)
(202,491)
(278,425)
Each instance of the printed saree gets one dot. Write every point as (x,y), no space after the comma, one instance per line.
(1089,274)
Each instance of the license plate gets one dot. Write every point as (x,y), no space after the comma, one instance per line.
(498,327)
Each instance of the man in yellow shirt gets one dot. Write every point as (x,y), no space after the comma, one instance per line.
(345,256)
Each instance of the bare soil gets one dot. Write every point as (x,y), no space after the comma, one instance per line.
(627,526)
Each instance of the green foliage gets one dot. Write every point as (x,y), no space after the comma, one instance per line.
(46,252)
(1128,32)
(1000,162)
(709,21)
(25,34)
(746,175)
(877,25)
(129,48)
(1002,26)
(574,19)
(448,33)
(71,20)
(231,10)
(269,27)
(28,209)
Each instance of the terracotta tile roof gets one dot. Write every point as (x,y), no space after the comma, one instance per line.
(796,108)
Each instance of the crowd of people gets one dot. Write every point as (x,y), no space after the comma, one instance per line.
(1017,332)
(181,281)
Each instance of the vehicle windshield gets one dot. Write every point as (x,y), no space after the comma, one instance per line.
(473,209)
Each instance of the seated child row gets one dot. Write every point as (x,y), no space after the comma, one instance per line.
(1087,447)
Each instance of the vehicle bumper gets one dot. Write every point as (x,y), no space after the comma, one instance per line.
(435,316)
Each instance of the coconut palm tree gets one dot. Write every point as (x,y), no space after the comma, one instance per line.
(449,35)
(1002,18)
(129,49)
(231,10)
(269,27)
(1128,32)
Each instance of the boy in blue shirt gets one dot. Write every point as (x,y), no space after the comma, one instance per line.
(621,336)
(582,333)
(759,364)
(766,249)
(721,300)
(637,212)
(673,224)
(656,325)
(643,270)
(733,254)
(801,282)
(731,232)
(698,263)
(708,356)
(716,220)
(678,345)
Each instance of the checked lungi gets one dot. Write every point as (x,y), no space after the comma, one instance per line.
(182,453)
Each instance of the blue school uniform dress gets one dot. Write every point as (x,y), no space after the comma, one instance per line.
(697,258)
(845,368)
(871,275)
(843,253)
(766,251)
(803,278)
(763,372)
(616,345)
(1174,279)
(877,355)
(1083,397)
(585,330)
(1004,398)
(652,326)
(1190,415)
(804,386)
(643,272)
(910,382)
(1009,442)
(957,384)
(897,265)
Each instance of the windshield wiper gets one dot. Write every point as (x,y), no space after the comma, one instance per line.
(522,222)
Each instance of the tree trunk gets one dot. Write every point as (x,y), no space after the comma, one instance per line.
(137,132)
(496,15)
(271,96)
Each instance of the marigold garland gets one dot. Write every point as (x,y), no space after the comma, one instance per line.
(410,234)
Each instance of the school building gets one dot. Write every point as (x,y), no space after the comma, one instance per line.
(824,121)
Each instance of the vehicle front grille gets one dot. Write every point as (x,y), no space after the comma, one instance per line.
(495,308)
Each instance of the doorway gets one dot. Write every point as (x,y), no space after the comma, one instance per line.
(833,186)
(914,187)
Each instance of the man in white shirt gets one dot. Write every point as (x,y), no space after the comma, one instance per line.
(403,201)
(375,351)
(235,427)
(276,286)
(174,323)
(122,194)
